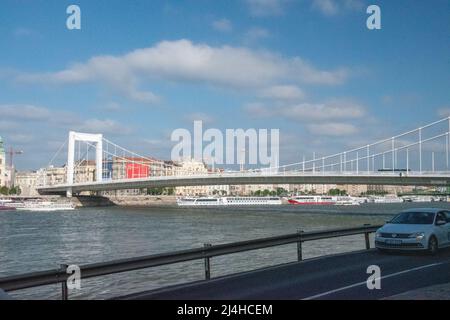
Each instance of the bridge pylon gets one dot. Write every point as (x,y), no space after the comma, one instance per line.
(95,139)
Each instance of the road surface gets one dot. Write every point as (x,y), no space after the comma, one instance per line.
(333,277)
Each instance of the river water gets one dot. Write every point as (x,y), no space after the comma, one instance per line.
(31,241)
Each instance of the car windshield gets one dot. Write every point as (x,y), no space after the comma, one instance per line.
(414,218)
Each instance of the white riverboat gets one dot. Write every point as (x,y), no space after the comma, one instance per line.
(387,199)
(312,200)
(347,201)
(228,201)
(44,206)
(5,205)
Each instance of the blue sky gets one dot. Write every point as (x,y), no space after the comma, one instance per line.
(137,70)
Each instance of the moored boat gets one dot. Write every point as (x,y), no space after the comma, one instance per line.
(228,201)
(5,205)
(312,200)
(45,206)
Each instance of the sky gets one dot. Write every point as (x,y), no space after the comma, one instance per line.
(138,70)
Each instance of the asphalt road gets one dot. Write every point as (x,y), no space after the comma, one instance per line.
(333,277)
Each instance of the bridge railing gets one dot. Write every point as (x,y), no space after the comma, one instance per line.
(36,279)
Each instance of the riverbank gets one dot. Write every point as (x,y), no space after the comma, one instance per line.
(143,201)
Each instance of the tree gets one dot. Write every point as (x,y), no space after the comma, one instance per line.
(155,191)
(12,191)
(4,191)
(337,192)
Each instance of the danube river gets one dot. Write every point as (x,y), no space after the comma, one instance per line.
(39,241)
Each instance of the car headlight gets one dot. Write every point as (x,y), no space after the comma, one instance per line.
(378,234)
(417,235)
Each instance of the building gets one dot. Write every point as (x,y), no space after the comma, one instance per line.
(311,188)
(51,176)
(2,164)
(191,167)
(84,171)
(27,182)
(381,189)
(135,168)
(353,189)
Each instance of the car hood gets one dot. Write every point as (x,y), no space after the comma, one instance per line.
(405,228)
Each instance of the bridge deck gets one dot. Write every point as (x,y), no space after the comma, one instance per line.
(436,179)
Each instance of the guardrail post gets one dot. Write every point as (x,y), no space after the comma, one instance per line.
(64,289)
(207,264)
(299,246)
(367,238)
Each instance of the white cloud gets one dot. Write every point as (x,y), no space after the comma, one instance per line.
(304,112)
(25,32)
(14,115)
(283,92)
(222,25)
(262,8)
(23,112)
(332,129)
(321,119)
(256,33)
(206,118)
(103,126)
(111,107)
(334,109)
(327,7)
(20,138)
(184,61)
(333,7)
(443,112)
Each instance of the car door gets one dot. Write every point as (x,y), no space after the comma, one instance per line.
(442,231)
(447,226)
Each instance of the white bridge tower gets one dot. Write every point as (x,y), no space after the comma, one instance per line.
(95,139)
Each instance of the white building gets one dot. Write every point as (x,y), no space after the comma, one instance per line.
(27,182)
(51,176)
(192,167)
(2,164)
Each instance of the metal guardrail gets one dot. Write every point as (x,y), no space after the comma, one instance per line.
(47,277)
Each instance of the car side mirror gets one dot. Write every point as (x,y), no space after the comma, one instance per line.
(440,222)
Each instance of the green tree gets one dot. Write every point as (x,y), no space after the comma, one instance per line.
(170,191)
(4,190)
(155,191)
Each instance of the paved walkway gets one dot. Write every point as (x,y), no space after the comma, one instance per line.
(437,292)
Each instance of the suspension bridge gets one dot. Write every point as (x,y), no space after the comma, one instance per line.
(417,157)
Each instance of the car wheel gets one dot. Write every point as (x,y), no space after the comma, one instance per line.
(433,245)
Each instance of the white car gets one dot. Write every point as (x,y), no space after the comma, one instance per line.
(416,229)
